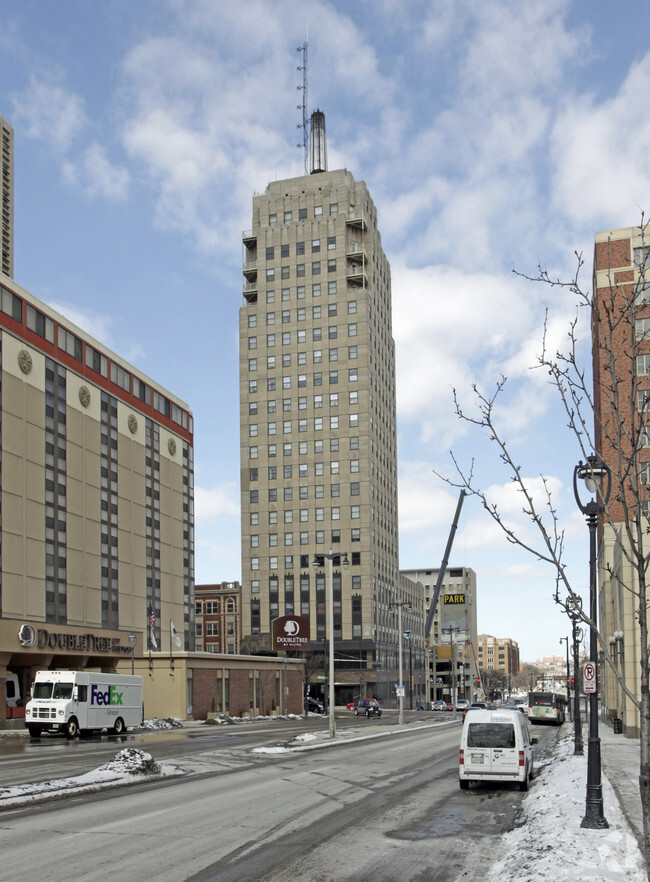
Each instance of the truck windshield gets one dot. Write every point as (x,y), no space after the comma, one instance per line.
(62,690)
(42,690)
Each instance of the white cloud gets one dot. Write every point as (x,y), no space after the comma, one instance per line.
(47,111)
(600,151)
(217,503)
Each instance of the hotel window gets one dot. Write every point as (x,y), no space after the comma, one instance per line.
(271,429)
(320,537)
(302,214)
(352,329)
(273,450)
(316,312)
(331,265)
(354,419)
(334,399)
(284,249)
(255,563)
(317,334)
(302,426)
(320,514)
(315,290)
(270,384)
(302,358)
(302,402)
(252,342)
(286,316)
(270,296)
(336,513)
(271,405)
(273,473)
(273,563)
(354,465)
(253,474)
(315,245)
(70,344)
(304,515)
(334,354)
(318,379)
(300,269)
(355,488)
(334,377)
(287,218)
(254,518)
(332,332)
(304,492)
(318,424)
(286,360)
(273,219)
(353,398)
(353,374)
(352,307)
(288,539)
(318,210)
(302,336)
(285,272)
(315,268)
(288,471)
(122,379)
(252,364)
(319,468)
(12,305)
(143,393)
(270,253)
(352,352)
(335,490)
(286,294)
(252,452)
(303,470)
(334,468)
(355,511)
(286,404)
(641,256)
(300,292)
(331,309)
(255,540)
(334,209)
(286,427)
(644,473)
(300,247)
(270,275)
(318,400)
(331,287)
(95,360)
(273,497)
(331,243)
(286,449)
(286,382)
(39,323)
(318,356)
(304,538)
(642,364)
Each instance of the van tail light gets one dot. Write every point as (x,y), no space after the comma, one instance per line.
(522,761)
(462,757)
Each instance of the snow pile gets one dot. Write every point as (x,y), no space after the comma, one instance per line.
(551,845)
(169,723)
(129,766)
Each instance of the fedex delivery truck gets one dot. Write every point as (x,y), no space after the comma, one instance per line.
(83,701)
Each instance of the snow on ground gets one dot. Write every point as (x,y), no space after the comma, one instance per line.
(129,766)
(551,845)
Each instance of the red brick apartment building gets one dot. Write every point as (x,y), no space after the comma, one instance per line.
(621,364)
(217,618)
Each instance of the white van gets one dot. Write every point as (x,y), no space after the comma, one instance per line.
(83,701)
(495,745)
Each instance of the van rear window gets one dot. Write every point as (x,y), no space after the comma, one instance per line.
(491,735)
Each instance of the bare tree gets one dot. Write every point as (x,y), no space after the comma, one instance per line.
(608,416)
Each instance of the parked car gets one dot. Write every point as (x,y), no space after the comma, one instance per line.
(368,706)
(439,705)
(350,705)
(495,745)
(450,705)
(313,706)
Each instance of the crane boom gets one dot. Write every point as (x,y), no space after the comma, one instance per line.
(443,566)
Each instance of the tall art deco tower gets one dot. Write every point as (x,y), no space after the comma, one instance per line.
(318,439)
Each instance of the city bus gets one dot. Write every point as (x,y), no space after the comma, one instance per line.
(546,707)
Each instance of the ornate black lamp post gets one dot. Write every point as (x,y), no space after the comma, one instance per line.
(598,481)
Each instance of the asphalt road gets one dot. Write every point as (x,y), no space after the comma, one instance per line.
(387,808)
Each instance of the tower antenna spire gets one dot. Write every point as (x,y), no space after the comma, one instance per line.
(304,125)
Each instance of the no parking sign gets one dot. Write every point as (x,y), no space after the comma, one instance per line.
(589,677)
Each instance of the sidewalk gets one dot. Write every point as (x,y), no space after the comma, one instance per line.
(620,758)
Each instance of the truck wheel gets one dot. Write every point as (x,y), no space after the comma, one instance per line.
(119,727)
(464,785)
(72,728)
(34,731)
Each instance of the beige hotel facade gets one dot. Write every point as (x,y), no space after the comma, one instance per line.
(96,501)
(318,429)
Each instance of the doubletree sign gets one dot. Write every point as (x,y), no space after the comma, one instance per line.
(453,598)
(291,633)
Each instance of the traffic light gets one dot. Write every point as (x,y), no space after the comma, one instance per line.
(569,682)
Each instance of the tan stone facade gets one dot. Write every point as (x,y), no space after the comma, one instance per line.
(318,436)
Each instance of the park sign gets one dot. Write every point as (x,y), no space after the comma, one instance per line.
(291,634)
(448,599)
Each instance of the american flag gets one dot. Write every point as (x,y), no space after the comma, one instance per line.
(152,624)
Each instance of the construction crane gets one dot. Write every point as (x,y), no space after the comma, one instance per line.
(443,567)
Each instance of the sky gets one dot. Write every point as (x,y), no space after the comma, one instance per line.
(493,137)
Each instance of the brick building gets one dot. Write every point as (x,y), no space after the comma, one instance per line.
(216,617)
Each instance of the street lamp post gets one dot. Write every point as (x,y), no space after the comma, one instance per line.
(568,674)
(317,565)
(597,478)
(398,605)
(133,639)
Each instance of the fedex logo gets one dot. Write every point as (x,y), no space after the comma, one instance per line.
(108,696)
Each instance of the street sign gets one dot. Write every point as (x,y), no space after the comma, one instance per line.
(589,677)
(399,691)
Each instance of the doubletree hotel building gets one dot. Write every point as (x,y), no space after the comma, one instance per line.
(318,432)
(96,500)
